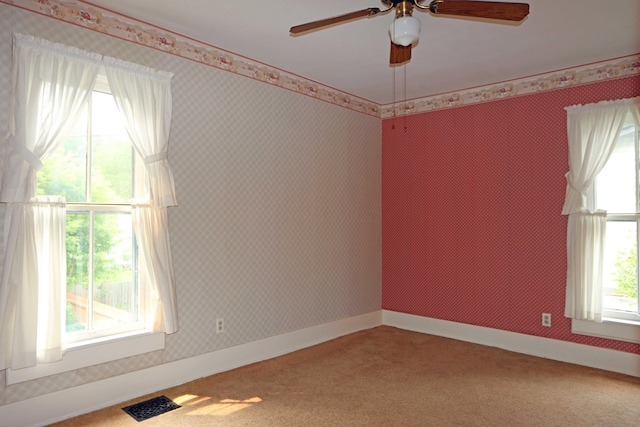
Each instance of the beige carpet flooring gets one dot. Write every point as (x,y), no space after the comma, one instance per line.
(392,377)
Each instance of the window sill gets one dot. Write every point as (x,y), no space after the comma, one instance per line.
(614,329)
(92,353)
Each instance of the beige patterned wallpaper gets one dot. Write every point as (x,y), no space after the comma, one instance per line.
(277,226)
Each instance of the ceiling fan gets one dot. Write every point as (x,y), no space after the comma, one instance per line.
(405,29)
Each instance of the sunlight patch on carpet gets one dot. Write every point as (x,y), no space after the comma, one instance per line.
(190,399)
(225,407)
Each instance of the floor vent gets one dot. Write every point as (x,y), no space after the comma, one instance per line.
(150,408)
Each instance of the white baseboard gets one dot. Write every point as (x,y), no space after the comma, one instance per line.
(564,351)
(100,394)
(75,401)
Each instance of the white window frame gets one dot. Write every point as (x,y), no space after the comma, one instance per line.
(85,348)
(78,338)
(88,337)
(610,328)
(92,353)
(151,141)
(615,325)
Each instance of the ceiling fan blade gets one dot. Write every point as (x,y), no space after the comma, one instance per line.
(481,9)
(399,54)
(335,20)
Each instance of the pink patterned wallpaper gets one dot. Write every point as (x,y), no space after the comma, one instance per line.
(471,203)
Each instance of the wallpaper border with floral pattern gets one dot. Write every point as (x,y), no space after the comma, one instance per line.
(102,21)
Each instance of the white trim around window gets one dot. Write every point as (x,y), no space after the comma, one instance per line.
(614,329)
(92,353)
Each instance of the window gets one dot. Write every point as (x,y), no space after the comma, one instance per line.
(95,171)
(116,246)
(602,205)
(616,190)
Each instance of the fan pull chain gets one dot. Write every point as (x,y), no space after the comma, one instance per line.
(393,94)
(395,113)
(404,95)
(393,125)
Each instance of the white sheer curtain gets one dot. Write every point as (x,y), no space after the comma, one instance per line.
(635,111)
(143,97)
(592,131)
(51,83)
(50,220)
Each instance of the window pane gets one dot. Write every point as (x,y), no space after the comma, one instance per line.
(64,172)
(115,287)
(616,183)
(95,166)
(111,168)
(620,287)
(77,240)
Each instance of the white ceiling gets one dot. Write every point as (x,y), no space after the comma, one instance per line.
(353,57)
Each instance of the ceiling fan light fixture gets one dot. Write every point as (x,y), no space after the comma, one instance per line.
(405,31)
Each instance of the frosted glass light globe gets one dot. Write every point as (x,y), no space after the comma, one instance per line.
(405,30)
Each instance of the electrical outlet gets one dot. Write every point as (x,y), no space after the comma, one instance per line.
(546,319)
(219,326)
